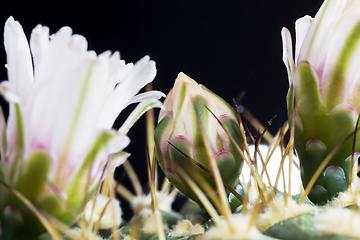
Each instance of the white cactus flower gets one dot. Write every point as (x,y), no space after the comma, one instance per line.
(63,100)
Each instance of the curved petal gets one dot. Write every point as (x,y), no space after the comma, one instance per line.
(143,72)
(105,157)
(141,108)
(288,54)
(115,160)
(147,95)
(19,63)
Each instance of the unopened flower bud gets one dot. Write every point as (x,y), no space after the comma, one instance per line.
(187,127)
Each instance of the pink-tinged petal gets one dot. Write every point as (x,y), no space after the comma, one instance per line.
(287,53)
(68,89)
(55,88)
(142,73)
(302,26)
(69,92)
(321,29)
(19,63)
(341,68)
(88,173)
(39,42)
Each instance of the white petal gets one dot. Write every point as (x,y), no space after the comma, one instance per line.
(39,42)
(70,89)
(7,92)
(272,169)
(115,146)
(302,26)
(19,63)
(115,161)
(347,83)
(146,95)
(315,45)
(78,43)
(140,109)
(143,72)
(287,53)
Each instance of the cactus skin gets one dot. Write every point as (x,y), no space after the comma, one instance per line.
(315,138)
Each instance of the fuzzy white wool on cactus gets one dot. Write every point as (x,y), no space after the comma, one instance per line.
(103,211)
(63,101)
(272,169)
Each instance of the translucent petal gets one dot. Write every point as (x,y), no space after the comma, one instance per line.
(68,89)
(115,146)
(142,108)
(88,173)
(147,95)
(287,53)
(302,26)
(341,71)
(141,74)
(19,63)
(115,161)
(316,43)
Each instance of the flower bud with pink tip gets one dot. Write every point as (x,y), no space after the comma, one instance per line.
(186,124)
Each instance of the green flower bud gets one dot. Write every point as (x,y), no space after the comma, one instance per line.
(183,123)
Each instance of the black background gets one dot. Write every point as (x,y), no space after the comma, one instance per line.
(229,46)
